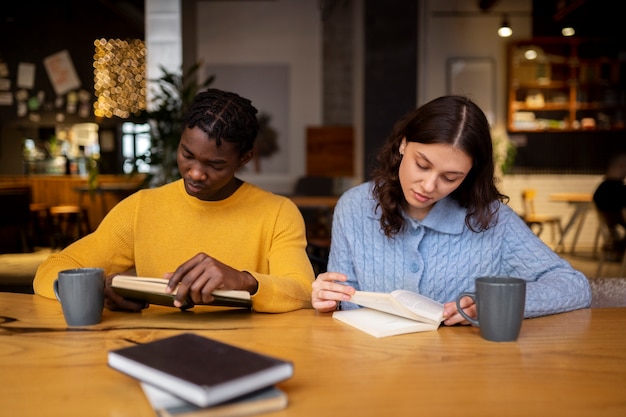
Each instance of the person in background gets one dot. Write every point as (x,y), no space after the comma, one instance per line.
(610,201)
(432,220)
(207,231)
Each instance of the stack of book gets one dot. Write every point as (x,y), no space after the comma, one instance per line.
(190,375)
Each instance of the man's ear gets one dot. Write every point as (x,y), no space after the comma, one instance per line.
(245,158)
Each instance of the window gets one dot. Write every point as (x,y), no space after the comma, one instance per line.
(136,147)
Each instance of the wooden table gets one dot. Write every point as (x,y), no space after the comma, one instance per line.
(572,364)
(305,201)
(582,203)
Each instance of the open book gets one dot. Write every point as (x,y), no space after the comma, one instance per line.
(388,314)
(152,290)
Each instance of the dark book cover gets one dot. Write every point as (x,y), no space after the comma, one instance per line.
(200,370)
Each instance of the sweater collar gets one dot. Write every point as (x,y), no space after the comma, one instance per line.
(446,216)
(233,199)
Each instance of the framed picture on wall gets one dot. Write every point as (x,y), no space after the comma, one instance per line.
(473,77)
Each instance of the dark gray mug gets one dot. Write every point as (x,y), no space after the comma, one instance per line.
(81,293)
(500,304)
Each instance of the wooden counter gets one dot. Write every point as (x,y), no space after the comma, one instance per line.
(64,189)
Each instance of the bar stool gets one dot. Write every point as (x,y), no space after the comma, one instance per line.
(69,223)
(40,225)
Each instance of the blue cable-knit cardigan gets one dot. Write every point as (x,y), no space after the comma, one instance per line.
(440,257)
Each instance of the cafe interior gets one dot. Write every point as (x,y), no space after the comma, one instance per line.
(83,125)
(79,80)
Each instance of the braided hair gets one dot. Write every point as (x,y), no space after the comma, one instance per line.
(223,115)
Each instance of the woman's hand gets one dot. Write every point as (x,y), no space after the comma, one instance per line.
(451,314)
(327,293)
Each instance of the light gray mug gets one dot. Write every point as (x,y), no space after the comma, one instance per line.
(500,303)
(81,293)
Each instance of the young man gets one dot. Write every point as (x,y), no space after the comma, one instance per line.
(206,231)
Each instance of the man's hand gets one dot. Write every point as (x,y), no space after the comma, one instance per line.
(201,275)
(114,302)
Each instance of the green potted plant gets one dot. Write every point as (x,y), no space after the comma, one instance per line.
(504,153)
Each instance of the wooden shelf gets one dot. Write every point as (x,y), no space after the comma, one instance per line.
(563,91)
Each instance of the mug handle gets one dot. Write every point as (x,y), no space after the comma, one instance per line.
(55,287)
(460,310)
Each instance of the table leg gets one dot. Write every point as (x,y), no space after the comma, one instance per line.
(581,221)
(577,218)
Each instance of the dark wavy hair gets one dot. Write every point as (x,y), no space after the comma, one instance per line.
(450,120)
(223,115)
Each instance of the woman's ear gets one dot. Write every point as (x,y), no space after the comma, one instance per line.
(402,146)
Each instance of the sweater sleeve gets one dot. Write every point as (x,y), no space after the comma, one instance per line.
(109,247)
(553,286)
(287,286)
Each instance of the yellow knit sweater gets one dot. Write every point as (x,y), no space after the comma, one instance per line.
(156,230)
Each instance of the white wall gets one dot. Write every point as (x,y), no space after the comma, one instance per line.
(288,32)
(280,33)
(545,185)
(469,34)
(238,33)
(163,39)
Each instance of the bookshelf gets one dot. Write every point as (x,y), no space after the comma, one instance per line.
(566,85)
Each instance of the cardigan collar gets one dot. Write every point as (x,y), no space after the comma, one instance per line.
(446,216)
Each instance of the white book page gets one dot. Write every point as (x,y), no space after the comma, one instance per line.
(419,304)
(160,398)
(158,285)
(380,324)
(378,301)
(418,307)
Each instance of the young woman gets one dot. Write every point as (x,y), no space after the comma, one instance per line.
(432,221)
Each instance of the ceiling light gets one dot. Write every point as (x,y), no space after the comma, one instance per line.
(505,28)
(530,54)
(568,31)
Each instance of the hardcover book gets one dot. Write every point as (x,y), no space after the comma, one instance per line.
(200,370)
(262,401)
(152,290)
(389,314)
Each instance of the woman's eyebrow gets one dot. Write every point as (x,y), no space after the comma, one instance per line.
(447,172)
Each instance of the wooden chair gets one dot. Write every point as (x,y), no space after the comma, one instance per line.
(317,220)
(69,223)
(41,225)
(607,249)
(536,221)
(15,218)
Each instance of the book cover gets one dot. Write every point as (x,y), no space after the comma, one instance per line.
(152,290)
(380,324)
(262,401)
(200,370)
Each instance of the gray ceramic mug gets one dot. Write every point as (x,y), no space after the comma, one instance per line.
(500,303)
(81,293)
